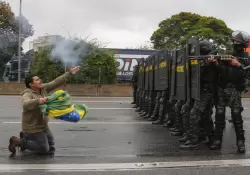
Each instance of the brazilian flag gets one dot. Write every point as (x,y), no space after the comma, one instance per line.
(59,106)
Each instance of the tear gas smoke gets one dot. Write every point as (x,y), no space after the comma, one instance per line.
(9,36)
(70,52)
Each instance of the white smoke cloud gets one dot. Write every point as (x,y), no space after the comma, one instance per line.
(9,36)
(70,52)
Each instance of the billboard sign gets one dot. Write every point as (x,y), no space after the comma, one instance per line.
(125,66)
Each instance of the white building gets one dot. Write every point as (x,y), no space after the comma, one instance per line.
(43,41)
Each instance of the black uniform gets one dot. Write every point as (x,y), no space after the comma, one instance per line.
(202,108)
(231,84)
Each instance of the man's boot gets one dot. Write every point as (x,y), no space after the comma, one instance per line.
(240,137)
(22,135)
(14,142)
(218,136)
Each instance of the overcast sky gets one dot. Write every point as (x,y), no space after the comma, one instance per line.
(119,23)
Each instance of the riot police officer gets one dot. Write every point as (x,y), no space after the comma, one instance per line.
(230,85)
(200,112)
(134,81)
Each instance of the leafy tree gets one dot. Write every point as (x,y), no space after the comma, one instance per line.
(174,32)
(9,28)
(99,63)
(91,58)
(42,63)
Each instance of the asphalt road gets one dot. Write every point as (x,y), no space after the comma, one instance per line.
(113,139)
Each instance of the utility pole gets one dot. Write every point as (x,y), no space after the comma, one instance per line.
(19,42)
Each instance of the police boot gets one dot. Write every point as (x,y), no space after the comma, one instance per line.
(178,126)
(146,116)
(138,109)
(153,118)
(240,136)
(218,135)
(190,145)
(159,121)
(203,136)
(184,138)
(168,124)
(167,121)
(142,114)
(135,106)
(173,128)
(177,130)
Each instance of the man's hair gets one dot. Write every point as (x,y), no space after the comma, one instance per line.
(28,80)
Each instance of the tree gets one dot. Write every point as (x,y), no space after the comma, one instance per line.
(146,46)
(174,32)
(87,54)
(42,63)
(9,28)
(100,63)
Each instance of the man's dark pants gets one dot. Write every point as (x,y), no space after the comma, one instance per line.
(41,142)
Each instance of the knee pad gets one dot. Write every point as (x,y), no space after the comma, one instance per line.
(183,109)
(236,111)
(194,114)
(220,111)
(161,100)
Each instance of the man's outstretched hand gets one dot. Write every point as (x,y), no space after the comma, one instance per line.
(74,69)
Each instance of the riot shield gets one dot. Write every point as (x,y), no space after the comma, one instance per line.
(141,75)
(178,76)
(193,50)
(162,70)
(151,72)
(170,58)
(146,74)
(156,72)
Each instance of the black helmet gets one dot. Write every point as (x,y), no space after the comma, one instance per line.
(241,37)
(205,47)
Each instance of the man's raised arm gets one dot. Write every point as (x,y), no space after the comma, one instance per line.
(59,81)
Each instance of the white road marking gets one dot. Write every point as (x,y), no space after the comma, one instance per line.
(95,123)
(85,122)
(123,166)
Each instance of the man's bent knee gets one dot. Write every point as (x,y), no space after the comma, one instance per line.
(44,148)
